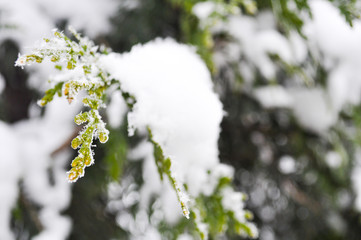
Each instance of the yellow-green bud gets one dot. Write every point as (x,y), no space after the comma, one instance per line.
(244,197)
(167,164)
(70,66)
(80,118)
(86,101)
(80,170)
(66,88)
(42,103)
(54,59)
(72,176)
(88,160)
(103,137)
(77,162)
(76,142)
(248,215)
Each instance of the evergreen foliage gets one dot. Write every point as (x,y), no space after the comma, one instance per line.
(298,169)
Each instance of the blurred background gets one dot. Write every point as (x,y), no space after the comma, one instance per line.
(287,72)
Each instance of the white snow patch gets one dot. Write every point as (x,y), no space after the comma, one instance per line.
(333,159)
(273,96)
(313,109)
(10,172)
(116,110)
(203,9)
(37,138)
(287,165)
(175,99)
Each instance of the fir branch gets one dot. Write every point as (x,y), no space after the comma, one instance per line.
(164,168)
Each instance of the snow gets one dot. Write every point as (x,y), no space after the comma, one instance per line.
(204,9)
(177,103)
(233,201)
(175,99)
(257,40)
(313,109)
(329,38)
(330,31)
(30,143)
(287,164)
(331,41)
(270,42)
(184,236)
(154,186)
(40,137)
(273,96)
(9,175)
(30,22)
(81,14)
(181,109)
(341,52)
(37,139)
(116,110)
(333,159)
(34,18)
(299,49)
(56,226)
